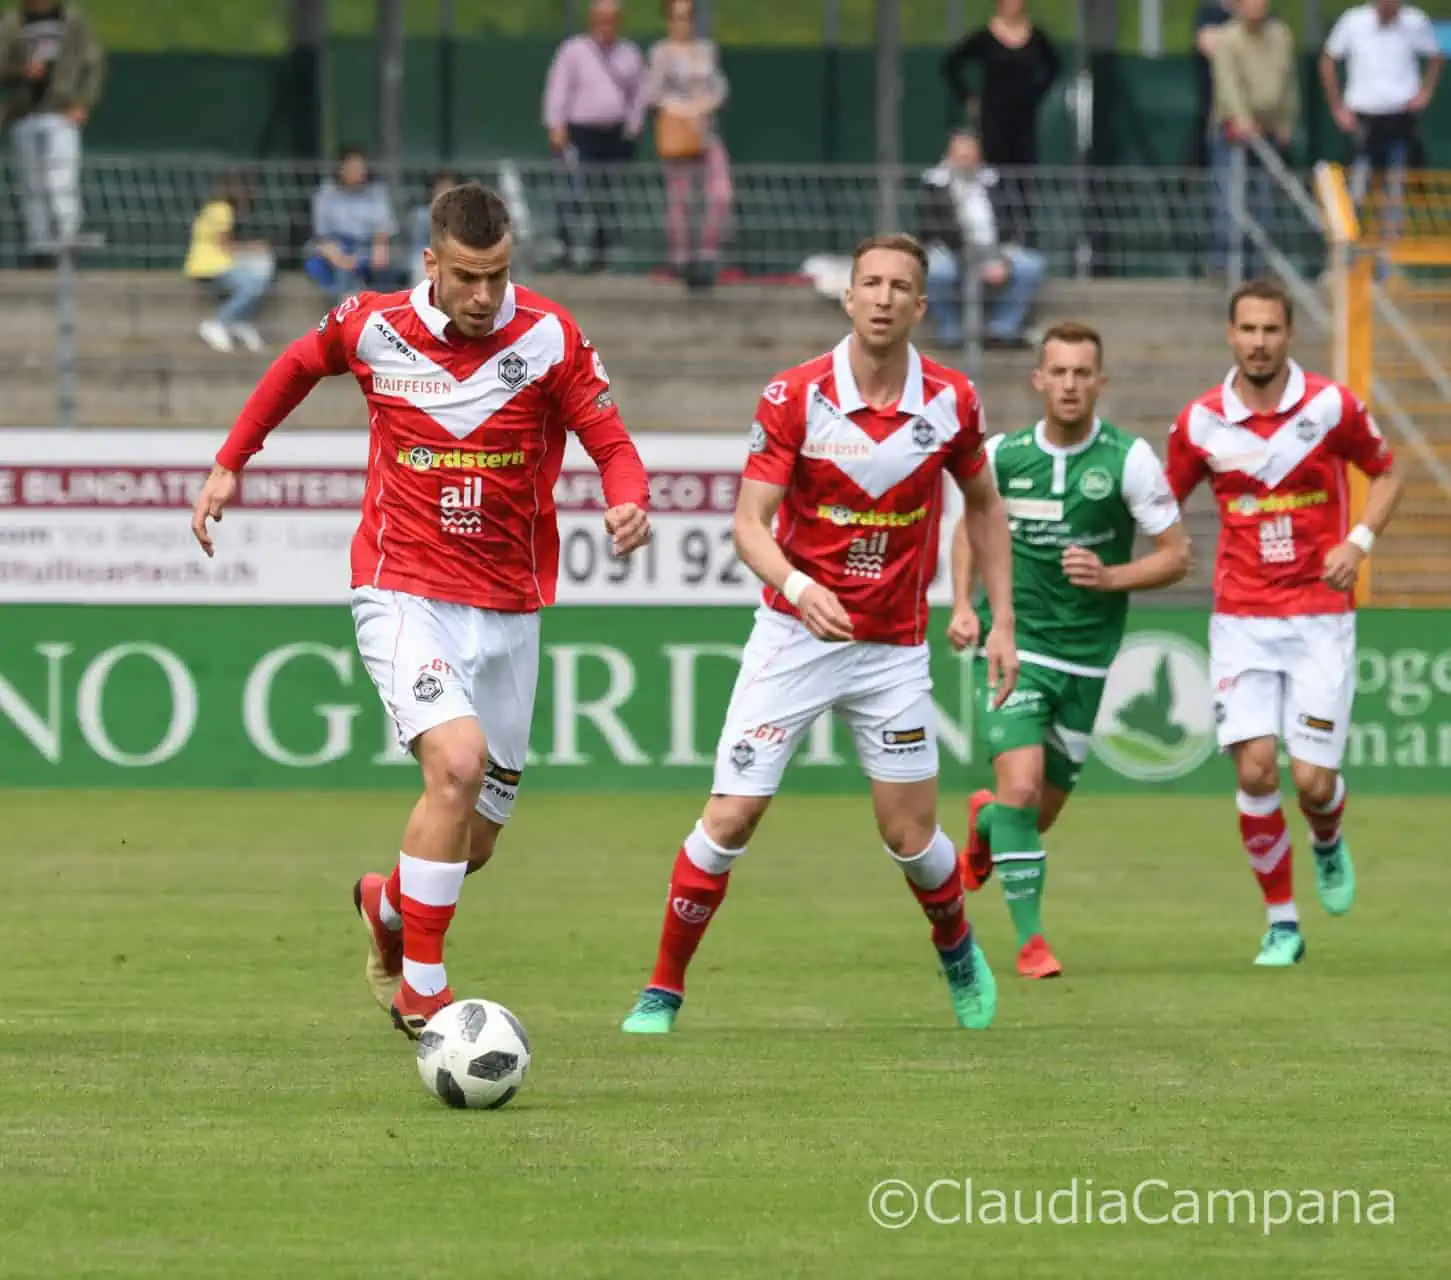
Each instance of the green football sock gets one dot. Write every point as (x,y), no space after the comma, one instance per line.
(985,822)
(1021,865)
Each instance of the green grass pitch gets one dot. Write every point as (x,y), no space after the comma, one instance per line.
(195,1083)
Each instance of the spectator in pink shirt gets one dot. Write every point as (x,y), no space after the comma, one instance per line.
(590,100)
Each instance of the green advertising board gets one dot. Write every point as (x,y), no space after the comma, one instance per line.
(629,699)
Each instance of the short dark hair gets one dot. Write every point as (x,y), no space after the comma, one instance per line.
(1073,332)
(1265,290)
(897,242)
(472,214)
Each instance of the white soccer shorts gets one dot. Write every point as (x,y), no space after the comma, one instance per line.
(788,678)
(433,662)
(1286,678)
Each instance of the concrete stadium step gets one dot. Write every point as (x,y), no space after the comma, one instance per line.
(678,362)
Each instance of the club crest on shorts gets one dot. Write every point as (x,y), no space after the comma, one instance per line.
(743,756)
(513,370)
(428,687)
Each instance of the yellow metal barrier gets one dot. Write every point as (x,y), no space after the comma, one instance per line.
(1401,349)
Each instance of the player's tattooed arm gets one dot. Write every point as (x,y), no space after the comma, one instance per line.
(756,506)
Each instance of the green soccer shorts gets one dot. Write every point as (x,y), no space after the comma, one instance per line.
(1050,709)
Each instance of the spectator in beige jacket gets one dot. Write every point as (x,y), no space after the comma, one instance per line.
(1256,95)
(686,88)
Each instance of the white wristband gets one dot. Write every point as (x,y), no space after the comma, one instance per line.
(1362,537)
(795,584)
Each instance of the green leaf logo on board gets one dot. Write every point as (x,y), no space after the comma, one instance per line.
(1156,720)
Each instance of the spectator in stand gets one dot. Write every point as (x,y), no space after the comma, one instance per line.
(352,232)
(1210,18)
(960,232)
(685,86)
(52,68)
(1019,65)
(590,101)
(239,271)
(1256,95)
(1383,46)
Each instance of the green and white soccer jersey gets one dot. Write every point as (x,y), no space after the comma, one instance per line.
(1097,495)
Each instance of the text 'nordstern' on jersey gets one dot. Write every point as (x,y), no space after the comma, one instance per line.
(1250,504)
(422,458)
(845,517)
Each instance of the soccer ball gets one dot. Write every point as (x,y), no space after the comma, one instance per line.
(473,1053)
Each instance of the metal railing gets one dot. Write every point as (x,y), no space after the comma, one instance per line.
(1115,222)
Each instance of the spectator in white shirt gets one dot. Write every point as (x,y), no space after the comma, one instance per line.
(1383,46)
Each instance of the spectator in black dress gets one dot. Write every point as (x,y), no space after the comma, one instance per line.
(1019,65)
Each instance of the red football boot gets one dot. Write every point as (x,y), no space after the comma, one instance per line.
(412,1011)
(975,861)
(1036,959)
(384,967)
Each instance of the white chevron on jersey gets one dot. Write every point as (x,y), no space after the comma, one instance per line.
(1229,447)
(460,407)
(875,467)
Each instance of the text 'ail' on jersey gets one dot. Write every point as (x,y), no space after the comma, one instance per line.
(862,513)
(1097,495)
(1280,487)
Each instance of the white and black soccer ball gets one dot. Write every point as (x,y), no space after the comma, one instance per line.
(473,1053)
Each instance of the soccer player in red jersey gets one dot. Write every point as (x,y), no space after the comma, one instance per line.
(472,383)
(1273,441)
(847,457)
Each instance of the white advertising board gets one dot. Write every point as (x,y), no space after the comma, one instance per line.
(103,517)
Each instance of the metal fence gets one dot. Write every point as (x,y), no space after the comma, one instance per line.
(1100,222)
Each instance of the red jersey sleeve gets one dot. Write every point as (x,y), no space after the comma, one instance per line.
(582,392)
(776,434)
(1184,463)
(320,354)
(1358,439)
(966,456)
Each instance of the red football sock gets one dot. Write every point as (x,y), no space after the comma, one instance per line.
(694,897)
(430,896)
(943,906)
(393,891)
(1267,842)
(1325,823)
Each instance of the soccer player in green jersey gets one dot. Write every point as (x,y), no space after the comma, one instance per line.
(1076,489)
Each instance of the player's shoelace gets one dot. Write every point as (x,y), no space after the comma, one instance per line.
(652,1002)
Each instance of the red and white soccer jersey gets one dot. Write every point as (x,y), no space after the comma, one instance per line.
(468,438)
(1282,642)
(863,507)
(862,516)
(457,549)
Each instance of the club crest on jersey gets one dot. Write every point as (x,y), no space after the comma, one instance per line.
(513,370)
(924,434)
(1096,484)
(1306,429)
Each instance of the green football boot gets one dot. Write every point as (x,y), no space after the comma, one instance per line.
(1335,877)
(972,986)
(1281,947)
(653,1014)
